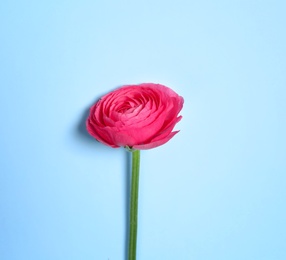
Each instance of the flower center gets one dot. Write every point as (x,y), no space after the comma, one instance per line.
(127,107)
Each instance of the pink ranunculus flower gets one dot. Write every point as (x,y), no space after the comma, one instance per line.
(139,117)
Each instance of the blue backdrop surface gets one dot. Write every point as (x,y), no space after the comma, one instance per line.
(215,191)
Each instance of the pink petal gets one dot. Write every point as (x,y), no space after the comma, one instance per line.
(156,143)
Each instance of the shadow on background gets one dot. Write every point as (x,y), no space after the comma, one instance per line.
(81,127)
(81,134)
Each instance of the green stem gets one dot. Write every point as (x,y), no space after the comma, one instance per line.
(134,204)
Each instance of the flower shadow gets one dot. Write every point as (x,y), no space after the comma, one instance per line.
(82,136)
(81,127)
(81,130)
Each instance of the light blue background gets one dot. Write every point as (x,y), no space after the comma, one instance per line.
(216,191)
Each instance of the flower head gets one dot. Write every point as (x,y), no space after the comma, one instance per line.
(137,116)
